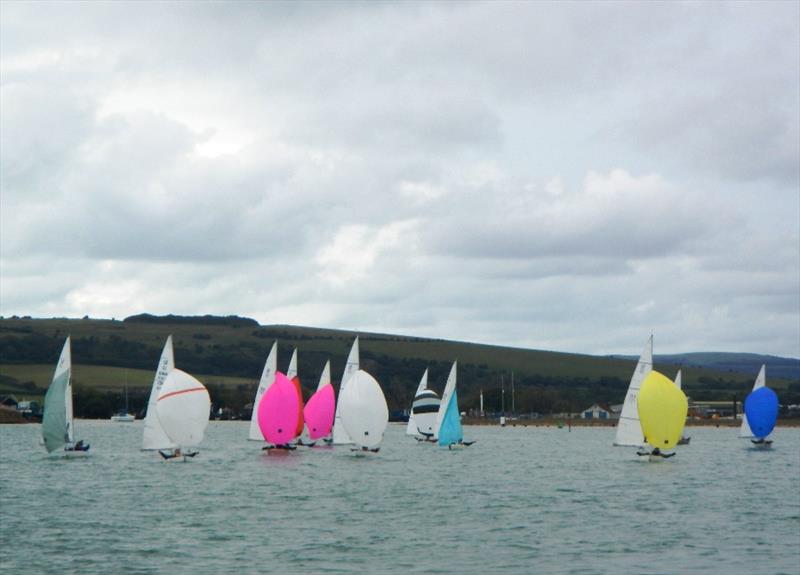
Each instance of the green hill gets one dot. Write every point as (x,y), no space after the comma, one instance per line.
(228,353)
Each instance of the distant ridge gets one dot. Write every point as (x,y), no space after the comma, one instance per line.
(744,363)
(231,320)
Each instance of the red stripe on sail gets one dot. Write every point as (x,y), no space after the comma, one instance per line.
(181,391)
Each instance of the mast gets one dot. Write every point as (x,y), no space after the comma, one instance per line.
(513,406)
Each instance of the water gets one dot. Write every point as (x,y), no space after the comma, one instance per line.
(521,500)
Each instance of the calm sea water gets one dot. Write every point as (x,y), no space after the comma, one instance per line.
(521,500)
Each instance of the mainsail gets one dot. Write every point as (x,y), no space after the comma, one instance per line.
(154,436)
(57,419)
(267,377)
(340,434)
(629,430)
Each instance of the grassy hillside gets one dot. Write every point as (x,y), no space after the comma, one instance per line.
(228,354)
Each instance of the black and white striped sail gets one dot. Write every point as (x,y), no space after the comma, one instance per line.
(629,428)
(422,420)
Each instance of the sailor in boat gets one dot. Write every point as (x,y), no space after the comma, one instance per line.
(656,453)
(177,453)
(762,442)
(80,446)
(460,443)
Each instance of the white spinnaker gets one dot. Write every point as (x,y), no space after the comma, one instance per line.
(267,378)
(340,435)
(365,414)
(761,380)
(449,388)
(154,436)
(411,428)
(183,408)
(629,429)
(292,371)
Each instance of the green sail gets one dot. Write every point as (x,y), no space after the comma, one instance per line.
(54,420)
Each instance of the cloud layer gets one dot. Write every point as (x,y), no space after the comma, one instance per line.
(566,177)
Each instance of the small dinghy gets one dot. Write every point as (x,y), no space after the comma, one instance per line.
(277,414)
(424,409)
(449,432)
(182,407)
(662,409)
(58,423)
(760,413)
(364,412)
(318,413)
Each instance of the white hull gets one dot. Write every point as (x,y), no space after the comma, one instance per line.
(761,444)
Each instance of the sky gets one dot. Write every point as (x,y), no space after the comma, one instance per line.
(561,176)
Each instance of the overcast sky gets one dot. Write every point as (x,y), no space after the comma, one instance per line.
(568,176)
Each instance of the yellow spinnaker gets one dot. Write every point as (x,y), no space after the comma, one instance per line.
(662,410)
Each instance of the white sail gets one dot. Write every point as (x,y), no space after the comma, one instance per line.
(761,380)
(65,365)
(183,408)
(629,429)
(449,388)
(364,412)
(57,420)
(678,382)
(325,377)
(267,378)
(411,428)
(292,371)
(340,435)
(154,436)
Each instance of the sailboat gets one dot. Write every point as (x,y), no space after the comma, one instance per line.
(122,415)
(760,412)
(684,440)
(448,419)
(277,413)
(364,413)
(319,411)
(58,424)
(154,436)
(662,409)
(629,429)
(340,434)
(267,377)
(291,373)
(422,419)
(183,407)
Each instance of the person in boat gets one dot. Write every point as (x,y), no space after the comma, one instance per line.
(80,446)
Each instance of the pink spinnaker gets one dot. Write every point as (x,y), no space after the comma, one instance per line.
(319,412)
(278,411)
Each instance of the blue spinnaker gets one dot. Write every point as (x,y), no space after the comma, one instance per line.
(450,431)
(761,409)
